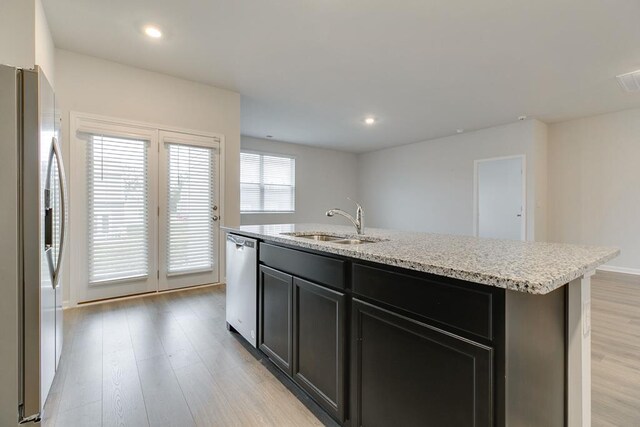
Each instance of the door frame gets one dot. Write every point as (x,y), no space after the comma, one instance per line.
(476,195)
(165,282)
(70,280)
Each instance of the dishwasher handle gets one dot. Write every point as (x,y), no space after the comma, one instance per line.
(241,241)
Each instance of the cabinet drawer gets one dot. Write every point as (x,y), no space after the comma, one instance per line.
(318,268)
(451,304)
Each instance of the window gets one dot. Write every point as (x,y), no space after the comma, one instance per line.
(267,183)
(190,194)
(117,184)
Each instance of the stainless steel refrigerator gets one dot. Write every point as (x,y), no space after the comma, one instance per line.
(32,233)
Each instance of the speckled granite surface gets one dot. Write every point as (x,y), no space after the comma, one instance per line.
(536,268)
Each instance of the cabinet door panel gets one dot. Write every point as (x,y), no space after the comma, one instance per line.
(275,324)
(408,373)
(319,344)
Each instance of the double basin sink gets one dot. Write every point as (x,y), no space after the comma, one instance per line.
(342,240)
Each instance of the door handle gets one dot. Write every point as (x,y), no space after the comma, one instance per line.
(63,210)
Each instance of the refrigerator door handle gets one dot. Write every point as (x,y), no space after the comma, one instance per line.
(63,211)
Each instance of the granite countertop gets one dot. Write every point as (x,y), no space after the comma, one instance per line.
(532,267)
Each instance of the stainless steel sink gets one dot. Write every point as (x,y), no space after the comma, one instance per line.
(322,237)
(351,241)
(343,240)
(319,237)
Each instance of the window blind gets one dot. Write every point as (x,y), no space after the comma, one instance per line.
(190,199)
(267,183)
(117,184)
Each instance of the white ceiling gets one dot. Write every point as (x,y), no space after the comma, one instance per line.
(309,71)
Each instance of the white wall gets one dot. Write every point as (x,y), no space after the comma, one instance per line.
(45,50)
(324,179)
(91,85)
(25,39)
(428,186)
(594,183)
(17,33)
(541,181)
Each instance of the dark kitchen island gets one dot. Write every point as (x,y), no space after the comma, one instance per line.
(399,328)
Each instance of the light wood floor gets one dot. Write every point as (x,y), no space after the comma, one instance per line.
(615,350)
(167,360)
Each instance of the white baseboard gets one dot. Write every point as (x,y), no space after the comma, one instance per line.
(67,304)
(614,269)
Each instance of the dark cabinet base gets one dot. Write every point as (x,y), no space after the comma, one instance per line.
(378,345)
(319,341)
(302,329)
(408,373)
(274,317)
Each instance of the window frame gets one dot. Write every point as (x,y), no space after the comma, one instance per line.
(261,184)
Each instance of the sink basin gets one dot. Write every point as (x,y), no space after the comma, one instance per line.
(320,237)
(315,236)
(343,240)
(351,241)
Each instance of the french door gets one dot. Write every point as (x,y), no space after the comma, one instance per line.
(189,210)
(145,210)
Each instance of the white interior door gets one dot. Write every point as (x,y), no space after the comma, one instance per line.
(114,184)
(500,205)
(189,210)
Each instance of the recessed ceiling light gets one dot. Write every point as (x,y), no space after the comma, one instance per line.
(153,32)
(459,130)
(522,118)
(370,120)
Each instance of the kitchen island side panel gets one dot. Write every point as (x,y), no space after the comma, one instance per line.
(535,358)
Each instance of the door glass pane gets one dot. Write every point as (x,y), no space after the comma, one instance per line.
(117,183)
(190,196)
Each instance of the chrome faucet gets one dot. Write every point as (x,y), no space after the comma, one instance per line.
(358,221)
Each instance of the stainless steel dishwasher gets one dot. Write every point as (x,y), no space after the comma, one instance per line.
(242,286)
